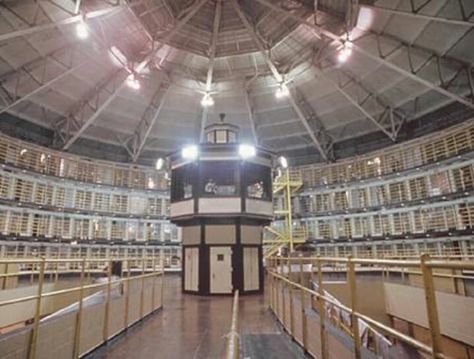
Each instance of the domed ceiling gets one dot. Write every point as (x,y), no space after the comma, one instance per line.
(296,76)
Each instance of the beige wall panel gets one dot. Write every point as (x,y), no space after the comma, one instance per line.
(92,327)
(20,312)
(408,303)
(182,208)
(191,235)
(15,345)
(116,316)
(251,234)
(56,338)
(372,305)
(134,308)
(441,284)
(259,207)
(314,337)
(220,234)
(147,298)
(219,205)
(8,282)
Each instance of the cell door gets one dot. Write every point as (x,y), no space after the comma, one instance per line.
(251,266)
(191,270)
(221,269)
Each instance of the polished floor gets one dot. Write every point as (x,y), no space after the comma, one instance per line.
(195,327)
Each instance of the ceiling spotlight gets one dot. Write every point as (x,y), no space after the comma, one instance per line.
(82,31)
(133,82)
(345,52)
(247,151)
(283,162)
(207,100)
(190,152)
(159,163)
(282,91)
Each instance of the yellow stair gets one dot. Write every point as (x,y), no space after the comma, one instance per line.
(285,185)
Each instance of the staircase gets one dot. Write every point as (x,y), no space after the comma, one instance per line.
(286,236)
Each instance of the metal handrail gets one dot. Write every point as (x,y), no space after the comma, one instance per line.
(233,351)
(426,267)
(42,262)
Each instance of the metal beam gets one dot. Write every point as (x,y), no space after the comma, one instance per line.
(43,85)
(317,140)
(417,15)
(376,57)
(70,20)
(253,127)
(355,103)
(117,82)
(148,120)
(212,57)
(212,51)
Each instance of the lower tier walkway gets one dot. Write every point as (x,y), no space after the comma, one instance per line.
(195,327)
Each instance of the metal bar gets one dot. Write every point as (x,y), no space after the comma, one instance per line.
(417,15)
(35,329)
(251,116)
(376,57)
(351,278)
(77,332)
(431,307)
(141,138)
(232,351)
(105,333)
(42,87)
(304,324)
(140,67)
(278,77)
(212,50)
(322,313)
(67,21)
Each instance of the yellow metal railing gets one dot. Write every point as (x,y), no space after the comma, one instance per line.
(143,268)
(233,349)
(280,274)
(284,186)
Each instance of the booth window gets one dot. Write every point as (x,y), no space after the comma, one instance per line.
(258,181)
(218,179)
(182,180)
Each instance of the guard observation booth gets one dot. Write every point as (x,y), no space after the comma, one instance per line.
(221,197)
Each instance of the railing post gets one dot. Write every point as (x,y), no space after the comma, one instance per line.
(303,312)
(290,298)
(431,307)
(105,333)
(142,290)
(162,286)
(77,333)
(34,333)
(276,291)
(153,283)
(354,320)
(322,311)
(127,297)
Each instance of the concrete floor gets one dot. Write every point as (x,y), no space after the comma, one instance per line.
(195,327)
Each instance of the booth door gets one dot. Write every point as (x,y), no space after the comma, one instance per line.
(221,270)
(251,269)
(191,270)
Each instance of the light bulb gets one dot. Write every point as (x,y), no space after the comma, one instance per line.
(207,100)
(82,31)
(344,53)
(133,82)
(282,91)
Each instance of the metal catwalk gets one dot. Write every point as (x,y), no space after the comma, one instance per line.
(195,327)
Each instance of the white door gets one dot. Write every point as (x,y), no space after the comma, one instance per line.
(191,270)
(251,274)
(221,269)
